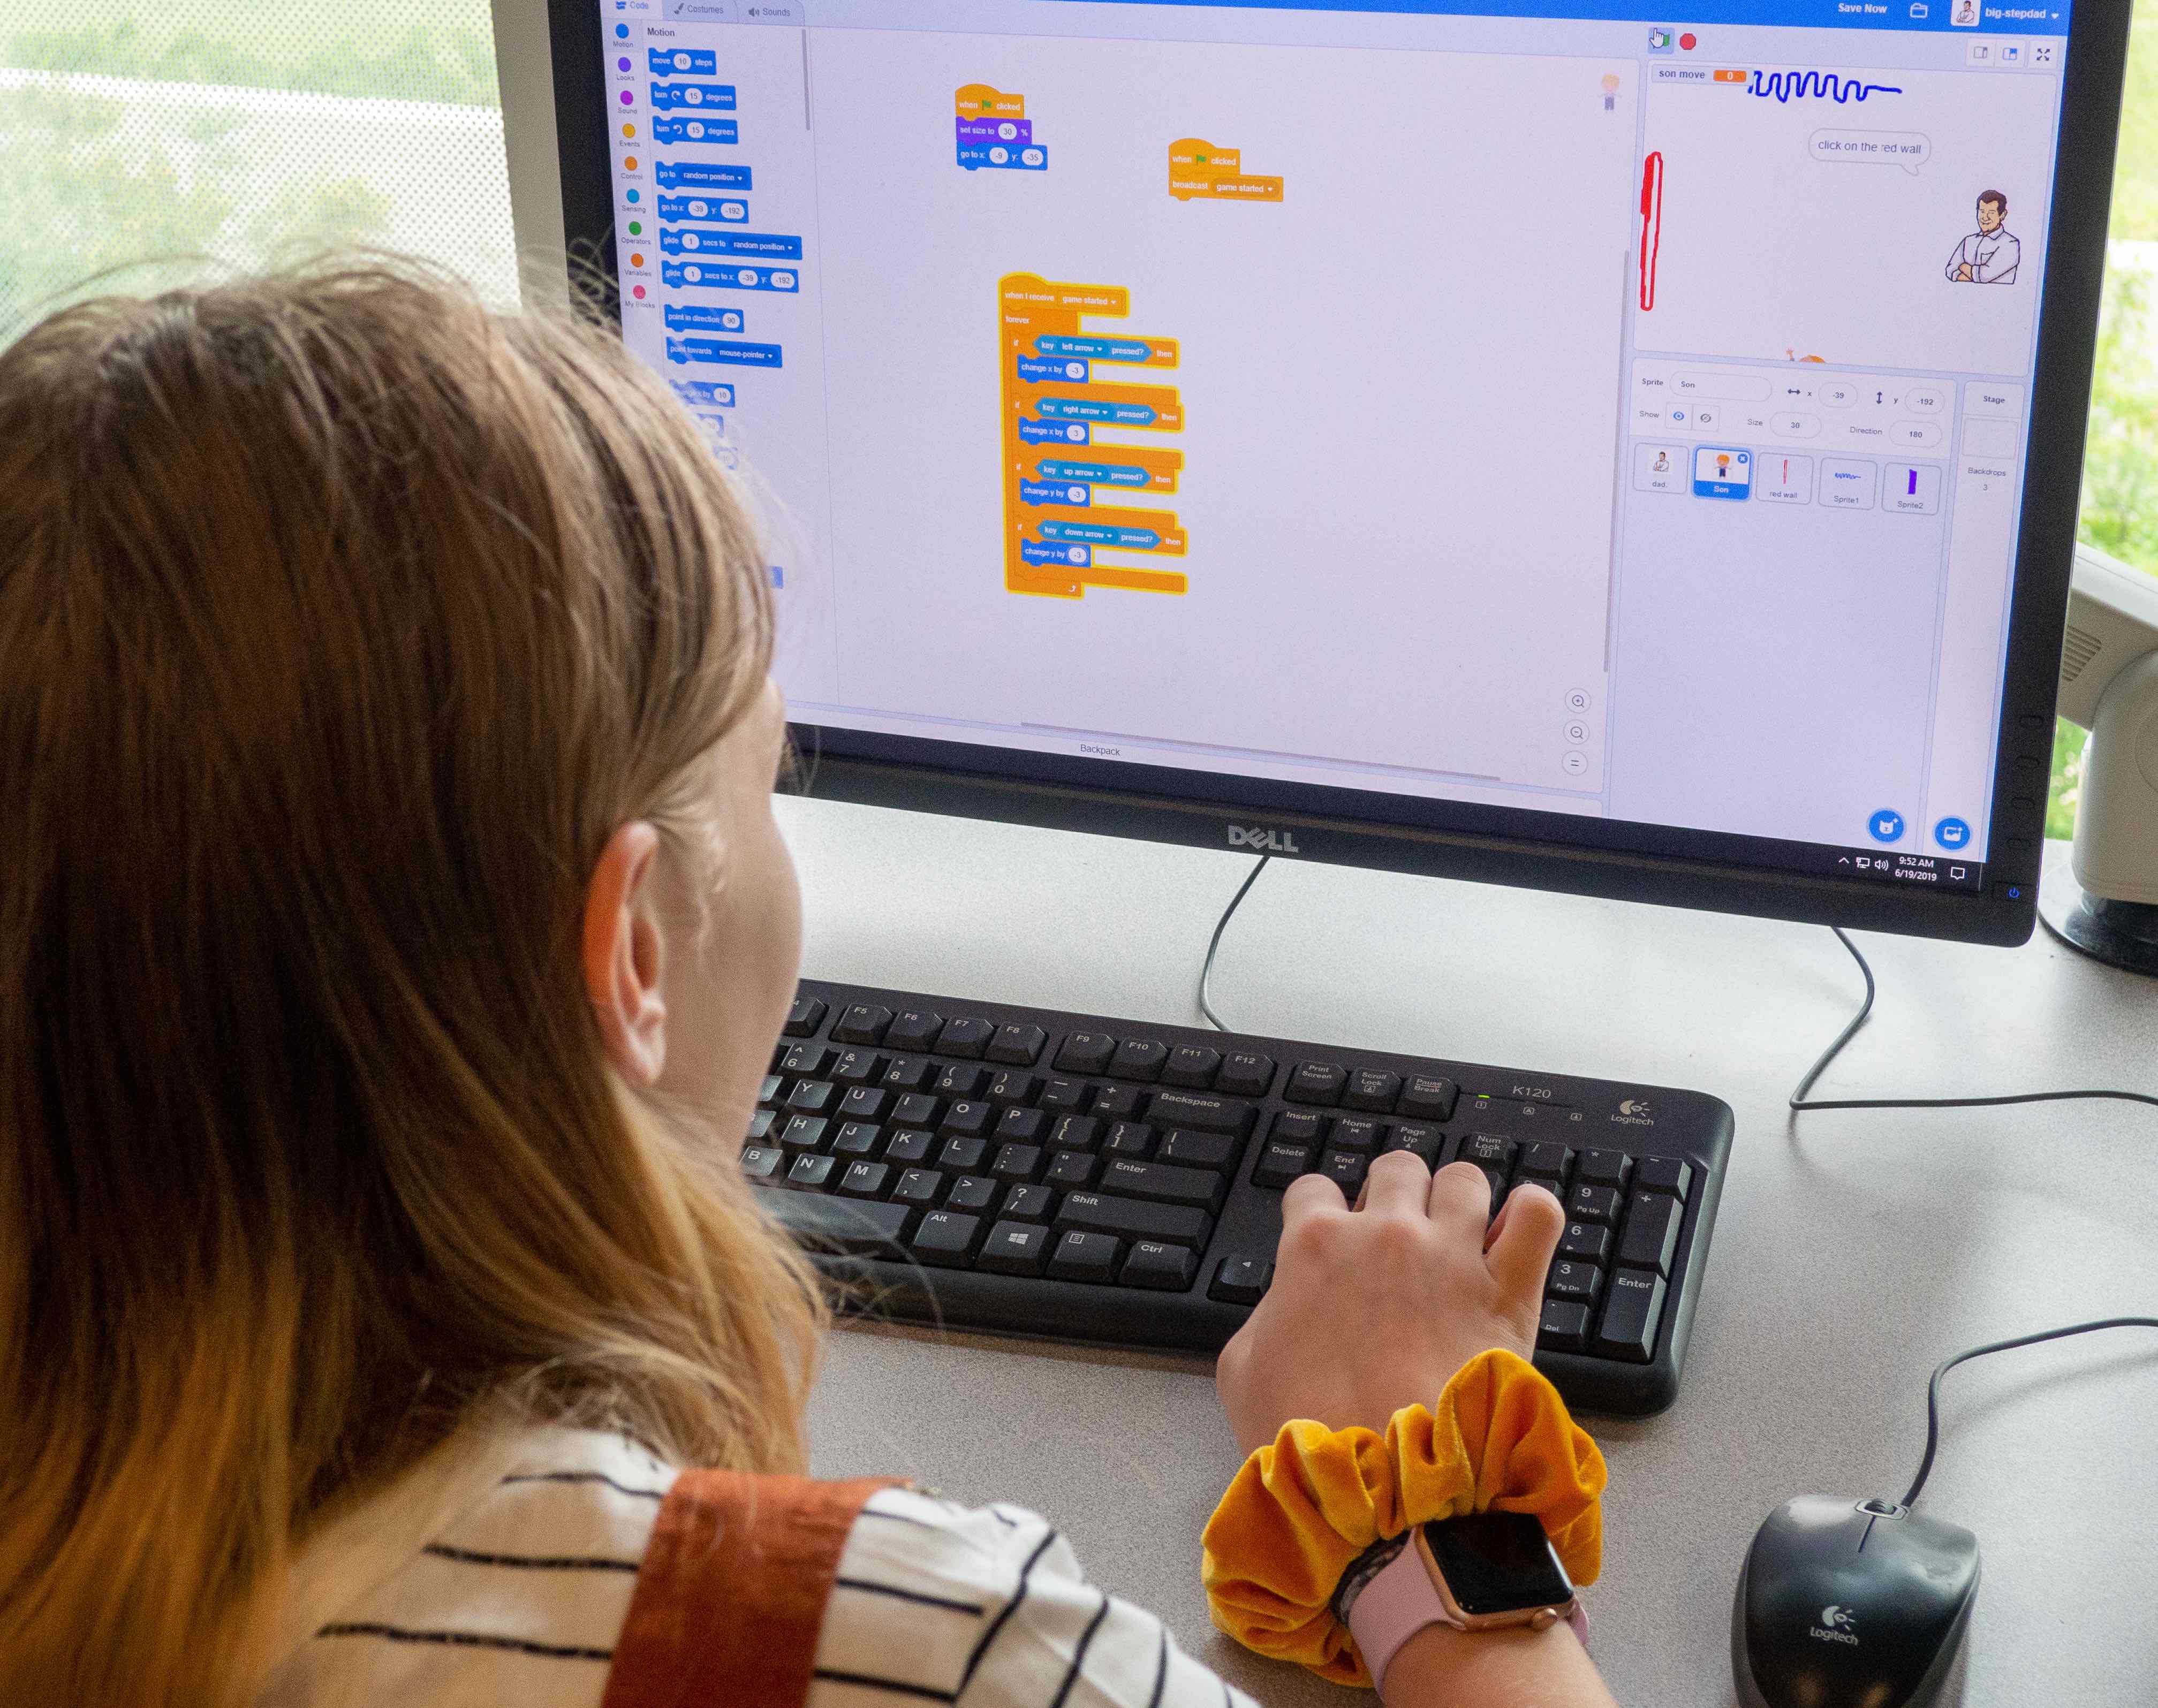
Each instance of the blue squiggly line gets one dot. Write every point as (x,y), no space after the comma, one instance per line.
(1789,85)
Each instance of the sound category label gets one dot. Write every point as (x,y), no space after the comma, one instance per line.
(1057,467)
(994,131)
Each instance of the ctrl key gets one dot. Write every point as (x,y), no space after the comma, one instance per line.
(1086,1257)
(1633,1310)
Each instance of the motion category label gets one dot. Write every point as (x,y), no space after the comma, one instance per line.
(994,131)
(1200,170)
(1055,525)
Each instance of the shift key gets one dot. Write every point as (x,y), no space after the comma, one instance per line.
(1164,1183)
(1092,1212)
(1633,1310)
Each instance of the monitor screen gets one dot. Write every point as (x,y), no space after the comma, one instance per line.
(1519,418)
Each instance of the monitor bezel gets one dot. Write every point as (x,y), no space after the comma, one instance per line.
(1613,859)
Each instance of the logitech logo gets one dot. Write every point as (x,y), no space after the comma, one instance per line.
(1633,1111)
(1272,841)
(1835,1626)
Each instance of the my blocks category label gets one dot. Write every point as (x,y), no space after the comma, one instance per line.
(1055,526)
(994,131)
(1201,170)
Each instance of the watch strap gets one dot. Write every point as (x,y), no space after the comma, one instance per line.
(1399,1600)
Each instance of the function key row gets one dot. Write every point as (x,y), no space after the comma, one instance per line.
(1239,1073)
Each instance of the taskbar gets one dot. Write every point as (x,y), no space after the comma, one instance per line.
(1931,871)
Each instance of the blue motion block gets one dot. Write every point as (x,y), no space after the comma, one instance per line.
(728,210)
(696,317)
(1000,156)
(696,130)
(689,62)
(779,575)
(1100,534)
(712,427)
(1063,556)
(1037,492)
(694,239)
(989,131)
(1051,432)
(728,275)
(723,350)
(704,97)
(712,393)
(1742,468)
(1094,409)
(1054,343)
(1040,367)
(1100,474)
(699,175)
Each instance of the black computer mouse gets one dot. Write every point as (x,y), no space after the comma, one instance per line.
(1845,1603)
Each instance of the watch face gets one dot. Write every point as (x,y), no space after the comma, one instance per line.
(1498,1562)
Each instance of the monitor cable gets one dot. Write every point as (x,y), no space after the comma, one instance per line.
(1934,1387)
(1214,942)
(1800,1103)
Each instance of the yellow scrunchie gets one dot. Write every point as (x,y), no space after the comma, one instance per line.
(1300,1511)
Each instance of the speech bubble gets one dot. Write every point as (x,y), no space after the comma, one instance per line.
(1908,149)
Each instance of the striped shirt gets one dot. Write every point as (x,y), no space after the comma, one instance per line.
(500,1571)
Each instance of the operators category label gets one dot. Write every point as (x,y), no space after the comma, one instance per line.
(1054,405)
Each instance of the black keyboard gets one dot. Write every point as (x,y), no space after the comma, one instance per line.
(1013,1169)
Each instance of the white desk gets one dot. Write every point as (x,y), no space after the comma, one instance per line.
(1852,1251)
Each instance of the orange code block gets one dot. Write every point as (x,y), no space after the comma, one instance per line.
(1068,467)
(1200,170)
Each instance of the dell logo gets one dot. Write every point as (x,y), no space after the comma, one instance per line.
(1272,841)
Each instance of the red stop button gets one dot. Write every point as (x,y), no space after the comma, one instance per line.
(1686,41)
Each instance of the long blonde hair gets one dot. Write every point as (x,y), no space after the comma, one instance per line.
(340,623)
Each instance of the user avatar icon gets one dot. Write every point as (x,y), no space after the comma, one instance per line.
(1965,13)
(1991,254)
(1663,463)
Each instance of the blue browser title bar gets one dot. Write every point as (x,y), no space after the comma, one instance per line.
(1948,17)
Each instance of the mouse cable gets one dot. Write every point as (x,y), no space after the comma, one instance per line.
(1221,925)
(1934,1387)
(1800,1103)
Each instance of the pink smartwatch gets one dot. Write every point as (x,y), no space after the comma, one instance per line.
(1484,1571)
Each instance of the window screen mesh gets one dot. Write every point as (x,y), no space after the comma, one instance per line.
(241,132)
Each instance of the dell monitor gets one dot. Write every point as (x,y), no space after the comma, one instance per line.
(1542,441)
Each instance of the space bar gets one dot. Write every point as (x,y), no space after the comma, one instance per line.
(847,1225)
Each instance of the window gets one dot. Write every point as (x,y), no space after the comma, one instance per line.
(154,138)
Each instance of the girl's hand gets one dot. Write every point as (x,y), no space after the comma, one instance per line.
(1376,1308)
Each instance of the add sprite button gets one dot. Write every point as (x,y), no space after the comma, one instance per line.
(1886,826)
(1952,833)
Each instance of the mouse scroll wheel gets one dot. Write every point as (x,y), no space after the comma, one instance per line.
(1882,1508)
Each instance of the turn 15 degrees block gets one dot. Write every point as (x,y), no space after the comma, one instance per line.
(1066,485)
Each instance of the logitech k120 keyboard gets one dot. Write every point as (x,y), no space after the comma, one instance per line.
(1015,1169)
